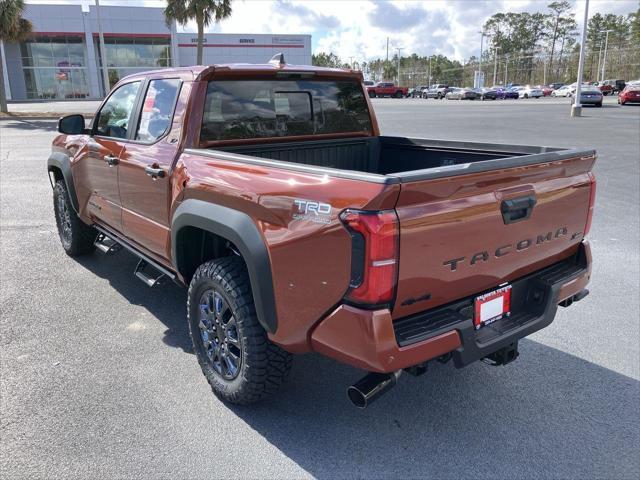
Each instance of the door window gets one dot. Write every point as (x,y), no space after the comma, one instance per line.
(157,109)
(113,119)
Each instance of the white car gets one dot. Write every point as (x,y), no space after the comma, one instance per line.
(529,92)
(563,91)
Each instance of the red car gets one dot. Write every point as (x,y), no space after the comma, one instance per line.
(606,89)
(630,94)
(546,90)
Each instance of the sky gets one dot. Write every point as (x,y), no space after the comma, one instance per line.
(358,29)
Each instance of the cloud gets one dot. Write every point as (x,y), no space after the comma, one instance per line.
(306,14)
(359,28)
(386,16)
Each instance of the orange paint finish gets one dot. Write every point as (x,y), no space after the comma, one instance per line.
(459,218)
(365,339)
(310,262)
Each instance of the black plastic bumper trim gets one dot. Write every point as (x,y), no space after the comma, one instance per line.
(534,302)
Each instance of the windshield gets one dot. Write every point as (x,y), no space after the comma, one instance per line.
(239,109)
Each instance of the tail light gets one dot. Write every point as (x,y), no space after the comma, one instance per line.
(374,259)
(592,201)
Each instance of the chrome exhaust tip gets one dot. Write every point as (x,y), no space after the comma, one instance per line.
(369,388)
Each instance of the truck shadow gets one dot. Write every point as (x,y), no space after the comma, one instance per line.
(166,302)
(547,415)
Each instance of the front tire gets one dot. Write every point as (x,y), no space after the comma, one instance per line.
(77,237)
(372,94)
(239,361)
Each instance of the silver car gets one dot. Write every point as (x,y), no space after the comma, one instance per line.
(591,96)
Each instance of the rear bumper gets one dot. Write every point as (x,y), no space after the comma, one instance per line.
(371,340)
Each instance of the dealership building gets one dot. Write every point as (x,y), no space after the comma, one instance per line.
(61,59)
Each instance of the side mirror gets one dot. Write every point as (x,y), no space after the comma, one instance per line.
(71,124)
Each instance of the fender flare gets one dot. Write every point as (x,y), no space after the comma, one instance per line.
(238,228)
(61,161)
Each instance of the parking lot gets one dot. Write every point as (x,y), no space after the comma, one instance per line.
(98,378)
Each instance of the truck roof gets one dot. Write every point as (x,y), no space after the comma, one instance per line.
(204,72)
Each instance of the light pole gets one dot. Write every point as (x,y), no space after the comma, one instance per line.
(576,107)
(604,58)
(482,35)
(399,49)
(506,68)
(599,61)
(103,53)
(495,64)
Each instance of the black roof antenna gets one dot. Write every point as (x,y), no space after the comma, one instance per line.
(278,59)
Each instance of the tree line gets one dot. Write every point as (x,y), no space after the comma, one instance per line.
(540,47)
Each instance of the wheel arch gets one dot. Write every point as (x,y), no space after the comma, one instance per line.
(60,165)
(236,228)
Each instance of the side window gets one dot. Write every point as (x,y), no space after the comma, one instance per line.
(157,109)
(113,118)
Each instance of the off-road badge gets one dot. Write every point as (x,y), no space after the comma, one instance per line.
(312,211)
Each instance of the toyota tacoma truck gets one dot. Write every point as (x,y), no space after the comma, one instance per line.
(269,192)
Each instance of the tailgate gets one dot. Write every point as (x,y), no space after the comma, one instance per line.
(461,234)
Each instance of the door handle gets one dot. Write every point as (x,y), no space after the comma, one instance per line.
(155,172)
(517,209)
(111,160)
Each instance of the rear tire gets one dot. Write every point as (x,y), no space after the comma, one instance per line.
(237,358)
(77,237)
(398,94)
(372,94)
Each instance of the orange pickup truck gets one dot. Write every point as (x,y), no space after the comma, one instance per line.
(269,192)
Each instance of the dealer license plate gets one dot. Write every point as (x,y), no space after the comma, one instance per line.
(492,306)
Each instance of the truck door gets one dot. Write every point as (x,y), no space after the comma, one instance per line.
(96,169)
(144,177)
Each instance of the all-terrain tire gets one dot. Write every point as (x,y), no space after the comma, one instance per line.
(263,366)
(77,237)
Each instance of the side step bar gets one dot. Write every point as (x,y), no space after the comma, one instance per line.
(106,245)
(110,243)
(141,272)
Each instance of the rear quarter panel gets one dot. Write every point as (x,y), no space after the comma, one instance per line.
(310,261)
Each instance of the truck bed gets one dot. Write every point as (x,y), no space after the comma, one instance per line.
(472,215)
(396,159)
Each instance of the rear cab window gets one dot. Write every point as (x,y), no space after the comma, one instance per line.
(157,109)
(244,109)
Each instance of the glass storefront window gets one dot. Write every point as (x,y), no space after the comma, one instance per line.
(55,67)
(126,55)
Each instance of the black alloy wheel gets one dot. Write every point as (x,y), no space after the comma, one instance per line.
(219,334)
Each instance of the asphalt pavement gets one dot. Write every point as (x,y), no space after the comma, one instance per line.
(97,377)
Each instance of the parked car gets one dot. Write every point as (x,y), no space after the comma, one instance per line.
(555,85)
(529,92)
(563,91)
(546,90)
(616,85)
(461,94)
(605,88)
(591,95)
(487,93)
(387,89)
(438,91)
(416,92)
(268,195)
(506,93)
(369,83)
(630,94)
